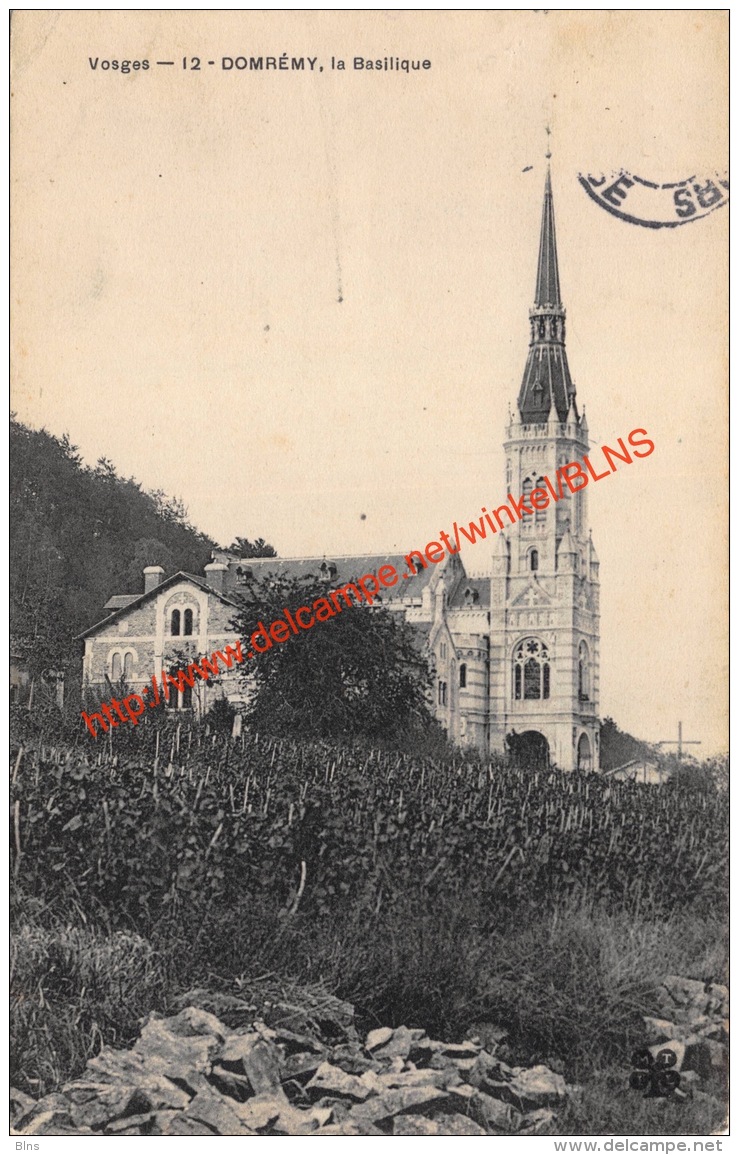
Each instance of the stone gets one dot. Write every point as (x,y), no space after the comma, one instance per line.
(333,1081)
(719,998)
(262,1067)
(487,1035)
(20,1104)
(707,1057)
(657,1029)
(54,1122)
(182,1124)
(398,1045)
(300,1067)
(236,1046)
(378,1038)
(96,1104)
(53,1104)
(217,1112)
(350,1127)
(683,991)
(380,1109)
(133,1125)
(230,1083)
(258,1058)
(229,1009)
(260,1112)
(540,1122)
(195,1021)
(439,1125)
(465,1050)
(351,1058)
(292,1042)
(184,1058)
(492,1114)
(537,1086)
(488,1072)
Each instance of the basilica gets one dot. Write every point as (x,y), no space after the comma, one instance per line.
(515,652)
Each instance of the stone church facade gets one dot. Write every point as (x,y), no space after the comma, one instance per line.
(515,652)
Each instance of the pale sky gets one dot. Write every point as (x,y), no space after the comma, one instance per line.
(182,238)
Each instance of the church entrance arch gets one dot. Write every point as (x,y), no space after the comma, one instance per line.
(529,750)
(584,754)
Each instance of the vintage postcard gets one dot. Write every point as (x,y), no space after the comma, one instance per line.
(368,575)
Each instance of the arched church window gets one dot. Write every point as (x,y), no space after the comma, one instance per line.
(531,670)
(115,667)
(540,514)
(462,676)
(175,624)
(583,673)
(128,666)
(534,560)
(187,627)
(442,693)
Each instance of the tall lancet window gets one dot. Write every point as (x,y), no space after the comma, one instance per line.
(541,514)
(528,486)
(531,674)
(583,673)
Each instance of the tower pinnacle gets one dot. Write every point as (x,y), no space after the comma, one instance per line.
(546,378)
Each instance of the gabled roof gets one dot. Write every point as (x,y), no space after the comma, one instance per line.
(118,601)
(338,571)
(479,586)
(138,600)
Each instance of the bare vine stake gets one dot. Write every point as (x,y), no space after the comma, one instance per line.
(17,764)
(17,828)
(107,824)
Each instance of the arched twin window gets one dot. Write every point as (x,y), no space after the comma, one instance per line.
(531,670)
(121,665)
(583,673)
(181,623)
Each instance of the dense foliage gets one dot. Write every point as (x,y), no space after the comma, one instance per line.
(201,823)
(77,536)
(618,747)
(359,673)
(80,534)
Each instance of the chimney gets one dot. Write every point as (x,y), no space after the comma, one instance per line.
(153,575)
(215,573)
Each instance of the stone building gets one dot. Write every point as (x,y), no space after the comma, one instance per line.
(515,652)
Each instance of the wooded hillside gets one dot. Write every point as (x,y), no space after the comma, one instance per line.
(78,535)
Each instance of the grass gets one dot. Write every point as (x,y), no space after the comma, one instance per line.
(445,940)
(570,986)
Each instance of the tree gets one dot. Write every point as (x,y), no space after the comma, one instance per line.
(358,674)
(617,747)
(245,548)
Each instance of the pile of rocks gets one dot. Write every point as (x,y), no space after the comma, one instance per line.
(694,1025)
(191,1074)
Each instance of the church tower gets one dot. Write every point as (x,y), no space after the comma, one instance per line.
(544,588)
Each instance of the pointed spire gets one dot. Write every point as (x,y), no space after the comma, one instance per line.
(547,273)
(546,378)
